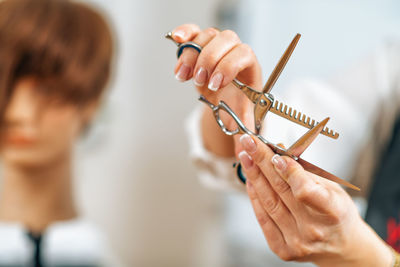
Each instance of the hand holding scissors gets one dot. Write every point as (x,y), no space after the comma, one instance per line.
(264,102)
(303,217)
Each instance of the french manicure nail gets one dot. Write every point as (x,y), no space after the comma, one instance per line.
(200,77)
(179,33)
(245,159)
(216,81)
(183,73)
(278,162)
(248,143)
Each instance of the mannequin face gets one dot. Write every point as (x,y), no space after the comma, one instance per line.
(38,131)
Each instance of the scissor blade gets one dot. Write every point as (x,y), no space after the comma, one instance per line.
(318,171)
(281,65)
(291,114)
(303,142)
(251,94)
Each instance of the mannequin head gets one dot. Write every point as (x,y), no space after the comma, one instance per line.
(56,60)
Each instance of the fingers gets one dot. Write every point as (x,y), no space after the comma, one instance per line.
(186,62)
(222,58)
(305,186)
(289,180)
(271,231)
(213,53)
(270,201)
(238,59)
(262,156)
(215,46)
(185,32)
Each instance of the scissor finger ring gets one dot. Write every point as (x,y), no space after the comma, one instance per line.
(193,45)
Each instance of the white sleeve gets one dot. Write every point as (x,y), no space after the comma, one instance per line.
(213,171)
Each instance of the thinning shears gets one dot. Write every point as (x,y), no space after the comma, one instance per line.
(264,101)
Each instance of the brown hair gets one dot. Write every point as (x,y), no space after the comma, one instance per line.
(66,45)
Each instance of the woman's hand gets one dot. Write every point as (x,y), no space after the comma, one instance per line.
(305,217)
(223,58)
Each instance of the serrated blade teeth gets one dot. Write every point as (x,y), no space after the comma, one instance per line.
(293,115)
(285,109)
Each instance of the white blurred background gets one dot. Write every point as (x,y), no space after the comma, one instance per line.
(134,178)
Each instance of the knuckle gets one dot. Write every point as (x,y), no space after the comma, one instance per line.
(280,185)
(299,250)
(246,48)
(282,253)
(315,234)
(304,193)
(272,206)
(334,217)
(208,58)
(230,34)
(262,156)
(285,255)
(211,31)
(262,218)
(292,170)
(228,66)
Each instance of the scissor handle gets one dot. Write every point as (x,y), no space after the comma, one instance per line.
(241,128)
(182,46)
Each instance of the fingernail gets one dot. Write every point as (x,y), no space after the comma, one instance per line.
(179,34)
(215,81)
(183,73)
(245,159)
(248,143)
(278,162)
(200,77)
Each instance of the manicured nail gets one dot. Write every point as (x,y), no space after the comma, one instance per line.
(248,143)
(216,81)
(179,34)
(200,77)
(278,162)
(183,73)
(245,159)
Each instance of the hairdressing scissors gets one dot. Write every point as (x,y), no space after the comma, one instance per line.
(264,101)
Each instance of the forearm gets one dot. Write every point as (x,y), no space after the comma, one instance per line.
(374,251)
(214,139)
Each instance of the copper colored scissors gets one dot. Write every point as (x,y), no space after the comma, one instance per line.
(264,101)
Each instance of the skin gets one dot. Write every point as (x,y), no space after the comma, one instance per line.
(223,54)
(303,216)
(37,140)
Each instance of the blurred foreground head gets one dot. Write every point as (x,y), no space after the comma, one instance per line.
(55,61)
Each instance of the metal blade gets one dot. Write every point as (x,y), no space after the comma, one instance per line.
(303,142)
(251,94)
(291,114)
(281,65)
(318,171)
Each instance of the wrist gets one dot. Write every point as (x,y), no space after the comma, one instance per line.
(367,249)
